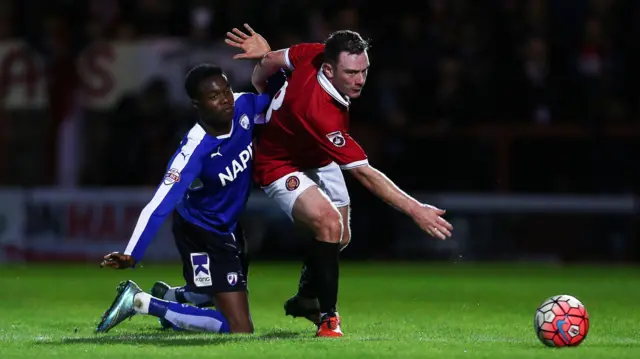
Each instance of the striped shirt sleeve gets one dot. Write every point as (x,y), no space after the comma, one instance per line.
(184,167)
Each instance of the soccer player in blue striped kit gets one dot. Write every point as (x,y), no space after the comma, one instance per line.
(206,186)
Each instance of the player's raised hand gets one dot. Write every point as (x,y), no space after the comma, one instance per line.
(253,44)
(118,260)
(429,219)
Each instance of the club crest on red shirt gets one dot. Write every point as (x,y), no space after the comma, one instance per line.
(336,138)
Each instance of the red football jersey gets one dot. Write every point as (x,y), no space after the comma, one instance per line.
(307,122)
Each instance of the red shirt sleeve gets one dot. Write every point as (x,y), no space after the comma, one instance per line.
(330,131)
(297,55)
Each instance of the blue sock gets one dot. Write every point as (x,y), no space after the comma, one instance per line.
(187,317)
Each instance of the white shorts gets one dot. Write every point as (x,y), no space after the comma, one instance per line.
(329,179)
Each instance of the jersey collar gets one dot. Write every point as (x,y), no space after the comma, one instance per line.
(227,135)
(331,90)
(201,129)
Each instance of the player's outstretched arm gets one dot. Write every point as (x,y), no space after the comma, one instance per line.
(183,168)
(270,63)
(255,47)
(427,217)
(326,127)
(150,220)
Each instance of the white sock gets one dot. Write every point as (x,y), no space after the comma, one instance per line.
(141,303)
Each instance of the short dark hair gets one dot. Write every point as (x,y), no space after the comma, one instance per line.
(196,75)
(344,41)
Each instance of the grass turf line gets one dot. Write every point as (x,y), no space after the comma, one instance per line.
(389,310)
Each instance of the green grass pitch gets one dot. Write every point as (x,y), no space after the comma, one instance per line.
(389,310)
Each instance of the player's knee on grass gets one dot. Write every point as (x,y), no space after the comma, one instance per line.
(235,308)
(314,209)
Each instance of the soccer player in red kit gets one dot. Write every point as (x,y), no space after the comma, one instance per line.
(304,147)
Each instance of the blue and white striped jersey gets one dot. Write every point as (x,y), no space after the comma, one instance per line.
(208,179)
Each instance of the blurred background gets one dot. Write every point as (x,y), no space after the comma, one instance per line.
(520,117)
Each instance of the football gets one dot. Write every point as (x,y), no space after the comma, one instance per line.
(561,321)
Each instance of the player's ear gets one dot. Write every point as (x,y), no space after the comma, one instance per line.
(195,104)
(327,69)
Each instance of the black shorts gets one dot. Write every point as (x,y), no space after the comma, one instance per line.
(211,263)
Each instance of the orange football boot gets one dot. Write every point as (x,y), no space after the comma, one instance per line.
(329,326)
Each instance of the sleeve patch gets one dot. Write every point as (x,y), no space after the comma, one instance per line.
(172,176)
(336,138)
